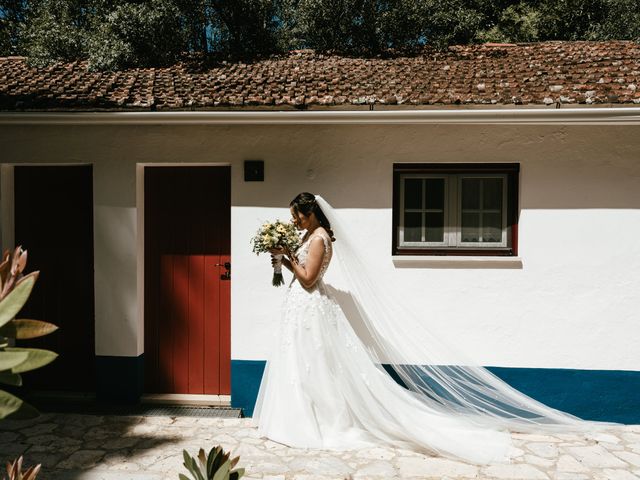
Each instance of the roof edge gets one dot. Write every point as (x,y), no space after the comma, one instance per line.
(564,116)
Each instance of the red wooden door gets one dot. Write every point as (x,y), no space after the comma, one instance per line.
(54,223)
(187,301)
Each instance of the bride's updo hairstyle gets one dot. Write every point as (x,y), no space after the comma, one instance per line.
(305,203)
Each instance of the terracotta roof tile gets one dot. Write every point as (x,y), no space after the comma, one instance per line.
(489,74)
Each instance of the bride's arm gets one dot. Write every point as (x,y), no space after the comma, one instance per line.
(307,275)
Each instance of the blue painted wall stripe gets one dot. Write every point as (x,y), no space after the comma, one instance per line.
(606,395)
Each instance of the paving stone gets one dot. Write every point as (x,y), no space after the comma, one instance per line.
(433,467)
(614,474)
(631,437)
(515,472)
(7,437)
(321,466)
(567,463)
(604,437)
(546,450)
(375,469)
(82,459)
(570,476)
(376,454)
(629,457)
(531,437)
(595,456)
(39,429)
(539,461)
(84,447)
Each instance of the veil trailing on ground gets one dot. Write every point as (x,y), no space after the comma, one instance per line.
(402,344)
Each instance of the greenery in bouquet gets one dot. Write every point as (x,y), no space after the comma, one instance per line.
(276,235)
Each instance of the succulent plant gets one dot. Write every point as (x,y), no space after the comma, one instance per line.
(14,470)
(15,289)
(215,466)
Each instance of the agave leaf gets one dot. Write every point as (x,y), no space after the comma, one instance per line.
(8,404)
(236,474)
(37,358)
(203,459)
(183,477)
(210,459)
(16,298)
(22,261)
(218,458)
(222,473)
(9,378)
(24,329)
(192,466)
(9,359)
(188,463)
(31,473)
(234,461)
(24,412)
(4,266)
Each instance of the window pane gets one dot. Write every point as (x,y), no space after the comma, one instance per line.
(470,227)
(492,193)
(492,227)
(413,193)
(470,193)
(435,193)
(435,227)
(412,227)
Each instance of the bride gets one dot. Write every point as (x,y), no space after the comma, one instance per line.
(325,388)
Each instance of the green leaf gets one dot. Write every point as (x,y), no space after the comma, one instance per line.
(236,474)
(25,412)
(222,473)
(8,404)
(37,358)
(9,359)
(183,477)
(9,378)
(15,300)
(24,329)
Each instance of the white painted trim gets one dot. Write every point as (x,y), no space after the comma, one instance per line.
(184,399)
(490,116)
(455,261)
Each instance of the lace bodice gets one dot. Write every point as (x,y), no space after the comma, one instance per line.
(303,252)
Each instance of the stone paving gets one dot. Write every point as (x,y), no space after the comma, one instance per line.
(93,447)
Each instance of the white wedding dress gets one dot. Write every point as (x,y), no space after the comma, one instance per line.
(322,389)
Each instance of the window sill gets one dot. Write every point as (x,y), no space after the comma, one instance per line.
(444,261)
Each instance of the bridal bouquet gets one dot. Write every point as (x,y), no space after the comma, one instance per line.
(274,235)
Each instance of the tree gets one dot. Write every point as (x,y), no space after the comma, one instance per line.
(517,23)
(12,13)
(135,34)
(56,30)
(249,27)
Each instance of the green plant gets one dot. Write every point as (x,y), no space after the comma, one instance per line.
(15,289)
(215,466)
(14,470)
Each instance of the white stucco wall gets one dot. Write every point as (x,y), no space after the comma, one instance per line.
(573,304)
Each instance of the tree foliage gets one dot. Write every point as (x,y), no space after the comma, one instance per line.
(122,33)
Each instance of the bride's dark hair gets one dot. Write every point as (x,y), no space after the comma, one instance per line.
(305,203)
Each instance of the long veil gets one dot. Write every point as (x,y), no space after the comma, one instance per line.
(402,343)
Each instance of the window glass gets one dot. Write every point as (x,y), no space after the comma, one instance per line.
(413,193)
(413,227)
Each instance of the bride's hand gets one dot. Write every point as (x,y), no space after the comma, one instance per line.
(292,258)
(277,251)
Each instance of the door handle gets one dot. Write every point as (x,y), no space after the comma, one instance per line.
(226,275)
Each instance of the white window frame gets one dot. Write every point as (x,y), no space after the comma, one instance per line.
(458,210)
(452,212)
